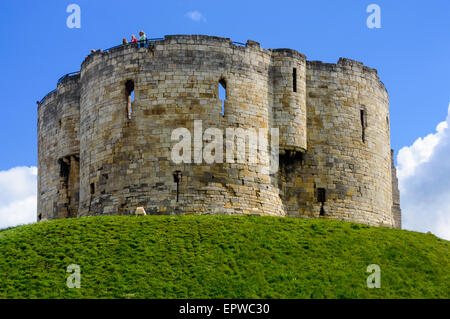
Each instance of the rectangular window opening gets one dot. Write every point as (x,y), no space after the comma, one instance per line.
(321,195)
(294,80)
(321,198)
(129,88)
(223,94)
(363,125)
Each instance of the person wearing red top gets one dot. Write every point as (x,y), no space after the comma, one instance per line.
(133,39)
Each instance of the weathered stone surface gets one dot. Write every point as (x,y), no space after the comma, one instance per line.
(94,160)
(396,211)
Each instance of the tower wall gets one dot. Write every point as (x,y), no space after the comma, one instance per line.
(127,163)
(396,210)
(47,162)
(289,98)
(352,167)
(333,121)
(58,151)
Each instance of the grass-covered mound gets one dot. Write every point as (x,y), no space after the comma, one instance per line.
(219,257)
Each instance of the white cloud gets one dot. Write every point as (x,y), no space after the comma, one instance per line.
(18,196)
(424,181)
(196,16)
(409,157)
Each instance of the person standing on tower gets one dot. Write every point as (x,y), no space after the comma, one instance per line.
(133,39)
(142,39)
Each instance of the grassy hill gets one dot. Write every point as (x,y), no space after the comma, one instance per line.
(219,257)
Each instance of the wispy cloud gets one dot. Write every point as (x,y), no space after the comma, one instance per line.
(18,196)
(424,182)
(196,16)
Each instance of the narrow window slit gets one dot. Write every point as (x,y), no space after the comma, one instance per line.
(294,79)
(321,198)
(363,117)
(223,94)
(178,178)
(129,89)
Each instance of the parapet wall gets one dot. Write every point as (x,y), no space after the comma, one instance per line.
(102,162)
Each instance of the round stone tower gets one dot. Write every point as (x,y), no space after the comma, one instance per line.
(58,150)
(108,136)
(126,160)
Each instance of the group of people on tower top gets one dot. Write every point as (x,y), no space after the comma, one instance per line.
(142,39)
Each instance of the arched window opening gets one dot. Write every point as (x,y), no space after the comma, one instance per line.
(294,79)
(223,94)
(129,89)
(363,116)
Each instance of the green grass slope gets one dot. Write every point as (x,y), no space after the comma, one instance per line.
(219,257)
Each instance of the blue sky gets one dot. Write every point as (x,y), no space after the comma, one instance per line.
(411,51)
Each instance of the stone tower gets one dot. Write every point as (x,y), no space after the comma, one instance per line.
(333,122)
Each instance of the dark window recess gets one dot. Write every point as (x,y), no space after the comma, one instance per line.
(92,189)
(68,191)
(129,90)
(321,198)
(290,160)
(64,167)
(363,116)
(39,217)
(223,94)
(178,178)
(294,80)
(321,195)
